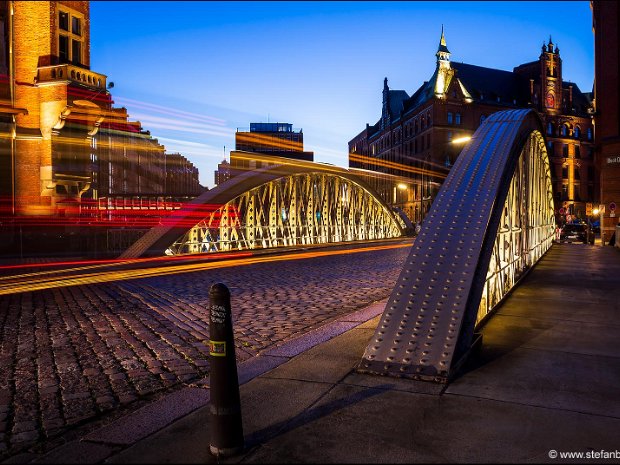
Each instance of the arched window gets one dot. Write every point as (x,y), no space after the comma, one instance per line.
(564,130)
(577,132)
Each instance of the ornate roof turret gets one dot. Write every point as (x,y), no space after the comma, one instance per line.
(444,72)
(443,54)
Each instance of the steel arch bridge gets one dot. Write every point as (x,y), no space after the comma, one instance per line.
(490,223)
(282,205)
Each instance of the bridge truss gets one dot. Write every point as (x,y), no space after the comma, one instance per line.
(300,209)
(490,223)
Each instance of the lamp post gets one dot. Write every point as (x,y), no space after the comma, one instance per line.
(595,213)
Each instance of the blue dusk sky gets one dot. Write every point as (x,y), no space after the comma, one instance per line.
(193,72)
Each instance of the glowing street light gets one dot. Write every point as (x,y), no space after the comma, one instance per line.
(461,140)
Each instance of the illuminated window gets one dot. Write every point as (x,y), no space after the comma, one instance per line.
(449,117)
(589,133)
(549,128)
(457,118)
(564,131)
(577,132)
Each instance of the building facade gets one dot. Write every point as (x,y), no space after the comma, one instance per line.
(605,17)
(418,137)
(222,173)
(267,140)
(64,143)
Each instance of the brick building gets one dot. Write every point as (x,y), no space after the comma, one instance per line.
(605,17)
(64,145)
(415,142)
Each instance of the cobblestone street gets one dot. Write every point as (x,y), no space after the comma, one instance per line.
(72,355)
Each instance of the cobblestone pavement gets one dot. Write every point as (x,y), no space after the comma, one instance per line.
(73,355)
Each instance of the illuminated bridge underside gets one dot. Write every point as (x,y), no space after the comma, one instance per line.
(491,221)
(285,205)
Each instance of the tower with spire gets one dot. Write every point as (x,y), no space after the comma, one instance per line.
(443,72)
(551,73)
(385,112)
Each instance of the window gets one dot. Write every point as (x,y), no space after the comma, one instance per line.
(564,131)
(76,51)
(565,172)
(550,148)
(457,118)
(565,150)
(577,132)
(577,152)
(589,133)
(63,20)
(63,48)
(549,128)
(76,25)
(449,117)
(70,40)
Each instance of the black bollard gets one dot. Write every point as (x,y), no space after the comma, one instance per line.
(224,404)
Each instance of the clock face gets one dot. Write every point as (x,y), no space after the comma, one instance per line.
(550,100)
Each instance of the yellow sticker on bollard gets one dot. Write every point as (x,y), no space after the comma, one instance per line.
(217,348)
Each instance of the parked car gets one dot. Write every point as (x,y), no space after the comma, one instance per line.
(596,226)
(577,232)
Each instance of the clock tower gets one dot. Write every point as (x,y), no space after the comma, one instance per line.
(551,73)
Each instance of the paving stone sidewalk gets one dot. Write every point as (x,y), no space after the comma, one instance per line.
(70,357)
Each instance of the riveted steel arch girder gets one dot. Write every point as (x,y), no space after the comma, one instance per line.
(491,221)
(282,205)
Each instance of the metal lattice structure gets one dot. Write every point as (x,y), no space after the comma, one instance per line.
(282,205)
(491,221)
(302,209)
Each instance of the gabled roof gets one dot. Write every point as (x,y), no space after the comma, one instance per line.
(581,101)
(397,99)
(487,84)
